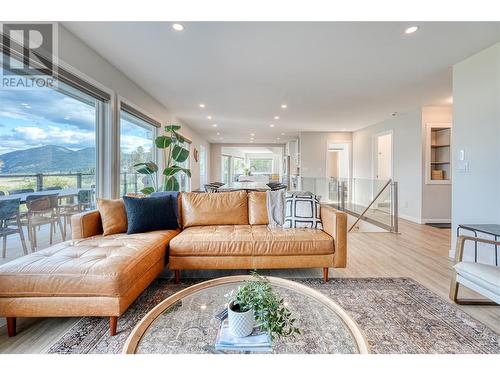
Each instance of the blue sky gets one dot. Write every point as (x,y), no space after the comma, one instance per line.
(39,117)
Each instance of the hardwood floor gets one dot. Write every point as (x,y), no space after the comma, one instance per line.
(419,252)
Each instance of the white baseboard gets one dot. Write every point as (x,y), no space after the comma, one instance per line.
(432,221)
(411,218)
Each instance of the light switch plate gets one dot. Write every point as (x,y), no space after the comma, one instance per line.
(463,167)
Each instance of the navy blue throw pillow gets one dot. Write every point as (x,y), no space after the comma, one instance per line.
(151,213)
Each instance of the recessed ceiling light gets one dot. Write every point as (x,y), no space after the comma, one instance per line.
(214,125)
(278,138)
(177,27)
(218,133)
(284,106)
(411,29)
(282,133)
(276,117)
(202,105)
(251,141)
(271,125)
(209,117)
(252,134)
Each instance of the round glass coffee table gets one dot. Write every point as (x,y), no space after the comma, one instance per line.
(185,322)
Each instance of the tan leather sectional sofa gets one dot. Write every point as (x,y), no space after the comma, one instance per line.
(230,231)
(96,275)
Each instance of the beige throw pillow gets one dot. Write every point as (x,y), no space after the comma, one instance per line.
(113,216)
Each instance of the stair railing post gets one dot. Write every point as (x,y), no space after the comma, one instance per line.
(395,207)
(342,195)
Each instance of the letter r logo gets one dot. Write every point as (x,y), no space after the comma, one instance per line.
(32,44)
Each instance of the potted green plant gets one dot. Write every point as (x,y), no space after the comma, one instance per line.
(255,301)
(247,170)
(173,145)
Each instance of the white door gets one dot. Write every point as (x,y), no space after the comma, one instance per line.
(384,157)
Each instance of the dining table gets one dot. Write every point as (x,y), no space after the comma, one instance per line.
(244,185)
(63,193)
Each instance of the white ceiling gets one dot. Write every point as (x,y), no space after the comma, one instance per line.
(254,150)
(334,76)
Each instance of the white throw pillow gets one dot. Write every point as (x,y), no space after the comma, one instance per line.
(302,210)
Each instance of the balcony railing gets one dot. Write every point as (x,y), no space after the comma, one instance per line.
(129,182)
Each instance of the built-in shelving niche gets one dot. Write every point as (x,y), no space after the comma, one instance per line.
(438,153)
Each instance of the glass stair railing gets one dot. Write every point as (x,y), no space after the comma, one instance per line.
(373,201)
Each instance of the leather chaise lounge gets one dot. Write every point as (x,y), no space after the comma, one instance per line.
(90,275)
(96,275)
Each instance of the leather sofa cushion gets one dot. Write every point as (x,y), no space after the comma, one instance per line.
(257,208)
(95,266)
(250,240)
(214,208)
(113,216)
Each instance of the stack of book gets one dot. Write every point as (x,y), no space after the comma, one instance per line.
(258,341)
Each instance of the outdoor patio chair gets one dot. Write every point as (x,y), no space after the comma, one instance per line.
(10,223)
(42,209)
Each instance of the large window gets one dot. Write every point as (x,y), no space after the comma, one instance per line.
(226,168)
(203,166)
(238,167)
(136,146)
(48,139)
(261,166)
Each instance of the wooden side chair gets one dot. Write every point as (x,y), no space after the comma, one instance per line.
(66,210)
(10,223)
(42,209)
(481,278)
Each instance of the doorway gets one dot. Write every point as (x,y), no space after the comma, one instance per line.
(383,156)
(337,171)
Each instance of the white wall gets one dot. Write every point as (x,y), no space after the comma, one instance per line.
(313,159)
(407,158)
(436,199)
(313,150)
(476,130)
(81,57)
(215,163)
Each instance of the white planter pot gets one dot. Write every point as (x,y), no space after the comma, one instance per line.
(240,324)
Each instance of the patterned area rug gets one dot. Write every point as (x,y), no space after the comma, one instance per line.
(397,315)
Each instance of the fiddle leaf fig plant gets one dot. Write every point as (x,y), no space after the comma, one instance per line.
(173,145)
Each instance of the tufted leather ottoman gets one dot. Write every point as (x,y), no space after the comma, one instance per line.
(95,276)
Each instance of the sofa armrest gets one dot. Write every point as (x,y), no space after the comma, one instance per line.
(86,224)
(335,224)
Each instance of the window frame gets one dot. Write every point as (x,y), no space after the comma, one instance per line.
(261,173)
(142,115)
(104,108)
